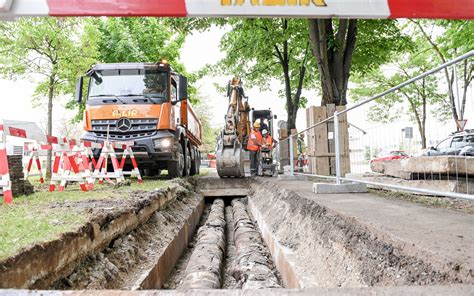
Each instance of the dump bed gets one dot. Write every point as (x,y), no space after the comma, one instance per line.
(192,123)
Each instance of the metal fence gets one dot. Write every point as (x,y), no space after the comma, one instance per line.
(361,154)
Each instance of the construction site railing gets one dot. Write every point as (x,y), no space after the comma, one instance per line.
(339,178)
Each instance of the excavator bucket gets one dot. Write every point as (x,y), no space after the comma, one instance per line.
(230,162)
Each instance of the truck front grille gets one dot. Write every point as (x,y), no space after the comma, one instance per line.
(138,128)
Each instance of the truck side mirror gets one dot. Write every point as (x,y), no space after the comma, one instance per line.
(275,117)
(79,83)
(183,88)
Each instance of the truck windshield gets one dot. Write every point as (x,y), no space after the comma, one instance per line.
(126,85)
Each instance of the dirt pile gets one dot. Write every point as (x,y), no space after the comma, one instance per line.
(122,263)
(330,250)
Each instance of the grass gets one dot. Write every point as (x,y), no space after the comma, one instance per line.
(24,224)
(40,217)
(429,201)
(44,215)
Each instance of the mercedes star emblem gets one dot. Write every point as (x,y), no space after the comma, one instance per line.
(124,125)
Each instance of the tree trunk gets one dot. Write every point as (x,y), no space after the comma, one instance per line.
(334,63)
(449,80)
(50,122)
(467,79)
(292,101)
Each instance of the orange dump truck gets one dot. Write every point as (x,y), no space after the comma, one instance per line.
(146,103)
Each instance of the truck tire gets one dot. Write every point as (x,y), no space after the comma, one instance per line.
(187,166)
(194,162)
(198,162)
(176,168)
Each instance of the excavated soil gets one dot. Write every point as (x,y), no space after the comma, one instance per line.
(178,273)
(330,250)
(127,257)
(229,249)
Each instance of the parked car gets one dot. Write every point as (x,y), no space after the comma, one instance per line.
(395,154)
(459,143)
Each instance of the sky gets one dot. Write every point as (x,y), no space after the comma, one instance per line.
(199,49)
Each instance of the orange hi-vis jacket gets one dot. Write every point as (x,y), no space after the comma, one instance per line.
(268,141)
(254,139)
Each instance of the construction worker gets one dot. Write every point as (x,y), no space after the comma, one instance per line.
(268,140)
(263,125)
(253,146)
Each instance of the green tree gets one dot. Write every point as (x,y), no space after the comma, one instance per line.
(414,99)
(209,133)
(343,47)
(47,50)
(259,50)
(122,40)
(455,39)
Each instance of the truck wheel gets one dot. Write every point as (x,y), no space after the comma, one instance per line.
(194,162)
(198,162)
(187,166)
(176,168)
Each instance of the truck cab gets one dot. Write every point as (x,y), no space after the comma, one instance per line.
(146,103)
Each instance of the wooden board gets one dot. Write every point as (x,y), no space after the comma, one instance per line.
(320,141)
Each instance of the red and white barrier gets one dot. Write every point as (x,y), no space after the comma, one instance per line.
(65,154)
(72,162)
(100,171)
(127,151)
(34,159)
(5,183)
(444,9)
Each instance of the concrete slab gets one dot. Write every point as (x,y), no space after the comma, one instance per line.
(328,188)
(441,236)
(426,166)
(459,185)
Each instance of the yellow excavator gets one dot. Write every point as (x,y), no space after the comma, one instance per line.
(232,141)
(234,137)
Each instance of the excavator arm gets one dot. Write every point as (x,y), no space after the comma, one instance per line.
(233,138)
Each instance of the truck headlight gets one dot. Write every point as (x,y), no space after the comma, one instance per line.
(163,143)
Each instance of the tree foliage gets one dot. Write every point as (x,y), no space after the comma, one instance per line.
(209,133)
(455,39)
(122,40)
(141,40)
(48,51)
(342,47)
(259,50)
(416,100)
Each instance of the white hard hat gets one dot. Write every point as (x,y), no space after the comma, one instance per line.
(264,132)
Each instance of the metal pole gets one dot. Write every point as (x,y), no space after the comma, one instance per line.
(292,167)
(337,150)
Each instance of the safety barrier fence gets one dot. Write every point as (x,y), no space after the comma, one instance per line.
(73,162)
(424,157)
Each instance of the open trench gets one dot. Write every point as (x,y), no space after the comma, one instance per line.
(227,235)
(225,251)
